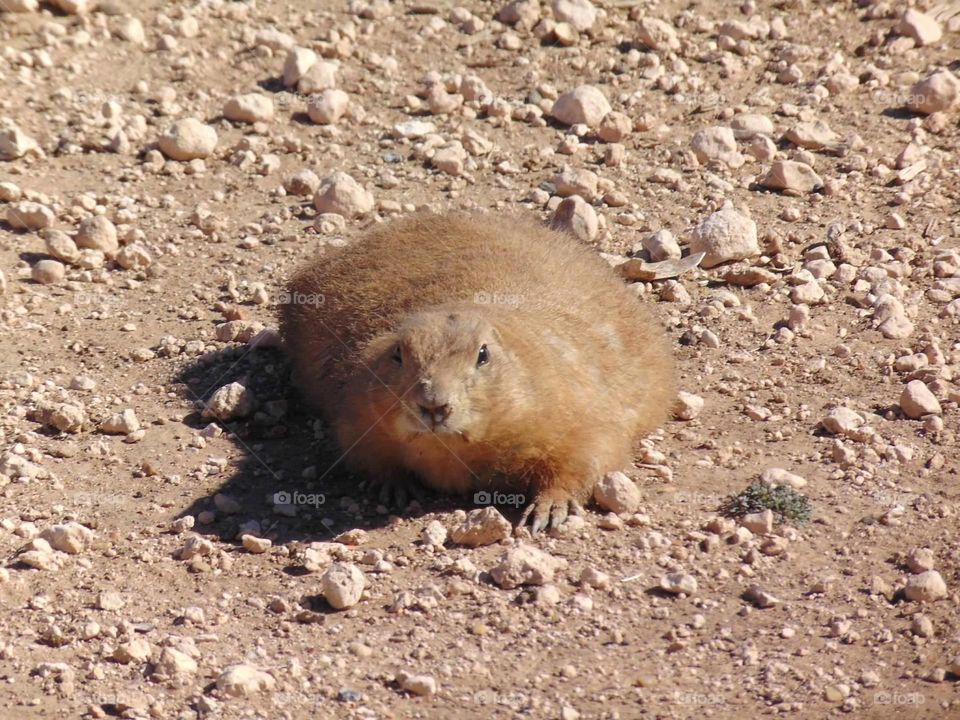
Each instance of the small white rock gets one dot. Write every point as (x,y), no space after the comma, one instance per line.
(122,423)
(328,106)
(688,406)
(342,195)
(725,235)
(71,538)
(244,681)
(188,139)
(677,583)
(48,272)
(484,526)
(525,565)
(342,585)
(791,176)
(617,493)
(938,92)
(925,587)
(585,105)
(250,108)
(923,28)
(576,216)
(230,402)
(916,400)
(416,683)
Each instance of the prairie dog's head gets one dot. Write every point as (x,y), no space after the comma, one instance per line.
(444,366)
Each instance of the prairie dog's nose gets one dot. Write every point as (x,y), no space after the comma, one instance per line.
(436,413)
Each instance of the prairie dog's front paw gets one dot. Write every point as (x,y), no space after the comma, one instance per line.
(549,508)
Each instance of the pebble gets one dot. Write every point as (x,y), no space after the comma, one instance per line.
(97,233)
(250,108)
(110,601)
(14,143)
(921,626)
(71,538)
(749,125)
(676,583)
(927,586)
(244,681)
(450,159)
(812,135)
(576,216)
(579,14)
(592,577)
(434,534)
(134,257)
(28,215)
(298,61)
(230,402)
(121,423)
(328,106)
(136,650)
(188,139)
(841,421)
(483,526)
(938,92)
(716,144)
(255,545)
(808,293)
(760,523)
(585,105)
(614,127)
(792,176)
(48,272)
(617,493)
(525,565)
(760,597)
(303,183)
(657,34)
(417,684)
(662,245)
(724,236)
(342,195)
(342,585)
(779,476)
(922,28)
(916,400)
(174,663)
(688,407)
(920,560)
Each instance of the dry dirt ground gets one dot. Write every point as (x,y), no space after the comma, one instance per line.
(126,589)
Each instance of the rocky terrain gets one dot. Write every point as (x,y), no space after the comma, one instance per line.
(780,180)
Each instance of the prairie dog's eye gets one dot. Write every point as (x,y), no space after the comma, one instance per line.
(397,356)
(483,357)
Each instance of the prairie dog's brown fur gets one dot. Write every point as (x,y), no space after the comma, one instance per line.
(385,339)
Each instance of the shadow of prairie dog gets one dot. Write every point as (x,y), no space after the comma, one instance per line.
(478,352)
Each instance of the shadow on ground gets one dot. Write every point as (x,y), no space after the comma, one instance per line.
(286,454)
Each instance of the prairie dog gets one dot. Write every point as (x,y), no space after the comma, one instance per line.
(478,352)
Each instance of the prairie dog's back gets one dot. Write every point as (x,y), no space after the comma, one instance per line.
(548,282)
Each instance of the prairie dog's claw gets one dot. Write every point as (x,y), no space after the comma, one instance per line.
(396,494)
(548,511)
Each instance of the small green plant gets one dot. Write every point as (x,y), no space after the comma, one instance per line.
(786,503)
